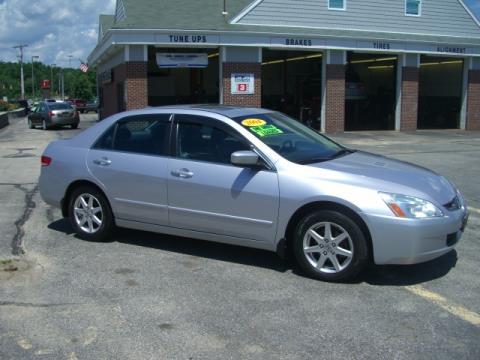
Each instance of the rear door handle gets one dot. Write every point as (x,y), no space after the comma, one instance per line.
(182,173)
(103,161)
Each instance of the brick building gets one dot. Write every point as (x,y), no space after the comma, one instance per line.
(336,64)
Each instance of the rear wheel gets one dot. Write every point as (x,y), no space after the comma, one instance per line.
(74,126)
(90,215)
(330,246)
(44,125)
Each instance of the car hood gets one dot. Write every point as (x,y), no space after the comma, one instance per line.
(390,175)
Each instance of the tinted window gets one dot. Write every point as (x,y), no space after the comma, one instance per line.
(412,7)
(59,106)
(336,4)
(145,134)
(204,142)
(106,140)
(290,138)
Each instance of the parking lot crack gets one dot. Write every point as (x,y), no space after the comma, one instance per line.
(21,304)
(18,246)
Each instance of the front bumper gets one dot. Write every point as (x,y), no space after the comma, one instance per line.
(412,241)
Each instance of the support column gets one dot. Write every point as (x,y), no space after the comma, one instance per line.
(136,85)
(410,93)
(241,61)
(136,73)
(334,94)
(473,96)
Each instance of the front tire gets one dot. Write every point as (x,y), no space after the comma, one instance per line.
(330,246)
(30,124)
(90,215)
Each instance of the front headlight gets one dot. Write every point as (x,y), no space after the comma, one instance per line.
(410,207)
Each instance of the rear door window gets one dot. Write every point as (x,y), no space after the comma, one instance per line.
(142,134)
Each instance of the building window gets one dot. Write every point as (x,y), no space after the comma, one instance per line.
(413,7)
(337,4)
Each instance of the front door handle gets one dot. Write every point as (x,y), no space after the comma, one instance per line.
(103,161)
(182,173)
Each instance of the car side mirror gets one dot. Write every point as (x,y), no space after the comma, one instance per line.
(245,158)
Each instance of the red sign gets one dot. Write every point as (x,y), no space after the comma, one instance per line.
(242,87)
(45,84)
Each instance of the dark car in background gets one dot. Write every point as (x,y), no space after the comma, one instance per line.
(91,105)
(23,104)
(48,115)
(78,104)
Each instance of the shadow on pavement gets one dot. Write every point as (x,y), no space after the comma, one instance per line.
(187,246)
(404,275)
(387,275)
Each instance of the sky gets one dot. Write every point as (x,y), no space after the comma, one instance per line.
(54,29)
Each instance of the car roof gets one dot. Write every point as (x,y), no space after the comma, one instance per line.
(226,110)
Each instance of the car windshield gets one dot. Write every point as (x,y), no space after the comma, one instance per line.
(59,106)
(291,139)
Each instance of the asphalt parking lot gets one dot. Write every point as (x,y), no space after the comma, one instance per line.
(148,296)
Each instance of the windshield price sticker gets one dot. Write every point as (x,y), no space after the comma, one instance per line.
(253,122)
(266,130)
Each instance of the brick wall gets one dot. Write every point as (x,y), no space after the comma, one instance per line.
(335,98)
(473,100)
(254,100)
(409,117)
(136,85)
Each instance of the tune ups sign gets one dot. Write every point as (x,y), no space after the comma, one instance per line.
(242,84)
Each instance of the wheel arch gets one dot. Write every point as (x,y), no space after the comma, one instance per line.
(323,205)
(74,185)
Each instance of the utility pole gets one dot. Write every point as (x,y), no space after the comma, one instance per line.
(63,86)
(22,84)
(51,78)
(33,77)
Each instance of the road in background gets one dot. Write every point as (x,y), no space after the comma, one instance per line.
(149,296)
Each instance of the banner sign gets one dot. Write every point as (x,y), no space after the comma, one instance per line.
(243,84)
(182,60)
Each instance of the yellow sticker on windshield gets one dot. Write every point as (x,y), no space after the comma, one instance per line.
(253,122)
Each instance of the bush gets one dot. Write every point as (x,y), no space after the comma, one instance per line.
(3,105)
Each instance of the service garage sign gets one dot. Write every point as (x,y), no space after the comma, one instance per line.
(242,84)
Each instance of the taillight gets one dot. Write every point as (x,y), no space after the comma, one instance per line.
(46,161)
(50,114)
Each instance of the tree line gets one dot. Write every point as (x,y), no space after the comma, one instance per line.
(77,83)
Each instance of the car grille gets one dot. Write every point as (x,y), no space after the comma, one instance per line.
(453,205)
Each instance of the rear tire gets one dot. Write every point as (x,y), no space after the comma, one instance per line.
(74,126)
(90,214)
(44,125)
(330,246)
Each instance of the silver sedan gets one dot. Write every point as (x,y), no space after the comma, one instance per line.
(251,177)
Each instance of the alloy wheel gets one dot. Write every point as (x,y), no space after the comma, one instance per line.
(88,213)
(328,247)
